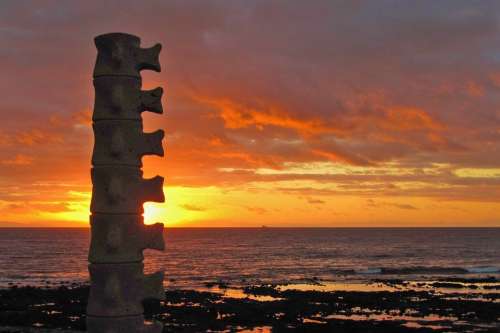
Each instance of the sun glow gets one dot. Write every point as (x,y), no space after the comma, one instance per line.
(183,206)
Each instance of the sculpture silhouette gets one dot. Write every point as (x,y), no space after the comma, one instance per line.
(118,234)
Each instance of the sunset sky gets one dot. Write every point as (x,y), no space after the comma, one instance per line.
(278,113)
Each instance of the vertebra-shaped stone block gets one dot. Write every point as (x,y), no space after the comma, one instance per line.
(121,238)
(122,190)
(123,142)
(121,54)
(121,97)
(119,289)
(131,324)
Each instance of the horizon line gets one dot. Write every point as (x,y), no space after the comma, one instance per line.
(275,227)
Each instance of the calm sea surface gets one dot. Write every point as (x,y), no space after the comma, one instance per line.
(245,256)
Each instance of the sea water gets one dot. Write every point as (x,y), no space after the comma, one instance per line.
(243,256)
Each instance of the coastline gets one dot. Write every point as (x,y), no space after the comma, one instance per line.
(444,304)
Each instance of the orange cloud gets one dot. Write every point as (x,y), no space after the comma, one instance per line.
(474,89)
(18,160)
(400,118)
(339,157)
(35,136)
(237,115)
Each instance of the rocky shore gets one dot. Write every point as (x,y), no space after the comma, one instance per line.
(383,306)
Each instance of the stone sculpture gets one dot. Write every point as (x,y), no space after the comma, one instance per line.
(118,234)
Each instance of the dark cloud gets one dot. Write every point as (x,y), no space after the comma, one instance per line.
(257,210)
(314,201)
(375,204)
(193,207)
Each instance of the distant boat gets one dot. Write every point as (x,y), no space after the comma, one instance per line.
(264,227)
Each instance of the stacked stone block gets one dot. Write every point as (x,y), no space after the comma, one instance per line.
(118,234)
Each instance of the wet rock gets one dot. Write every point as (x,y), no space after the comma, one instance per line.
(194,311)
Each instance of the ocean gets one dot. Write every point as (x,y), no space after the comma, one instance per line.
(244,256)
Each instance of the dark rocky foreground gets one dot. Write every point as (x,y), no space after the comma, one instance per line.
(29,309)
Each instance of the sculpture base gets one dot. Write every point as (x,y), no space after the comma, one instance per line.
(132,324)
